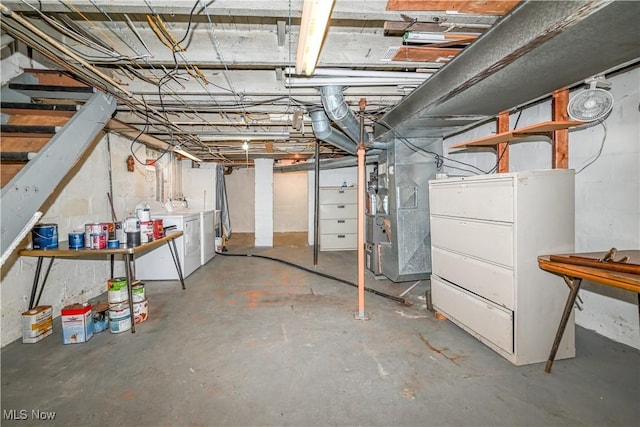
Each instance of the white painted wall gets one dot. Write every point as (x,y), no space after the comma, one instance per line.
(289,202)
(82,199)
(607,195)
(199,185)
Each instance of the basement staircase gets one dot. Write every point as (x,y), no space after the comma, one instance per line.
(49,120)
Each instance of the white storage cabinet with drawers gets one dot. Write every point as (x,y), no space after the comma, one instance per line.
(338,218)
(486,234)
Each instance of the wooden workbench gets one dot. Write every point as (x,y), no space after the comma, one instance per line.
(575,267)
(128,254)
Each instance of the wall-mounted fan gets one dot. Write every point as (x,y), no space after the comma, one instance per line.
(591,104)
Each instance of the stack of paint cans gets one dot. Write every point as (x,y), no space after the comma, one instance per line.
(119,311)
(140,303)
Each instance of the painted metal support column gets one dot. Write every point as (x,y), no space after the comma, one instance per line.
(316,204)
(31,187)
(362,184)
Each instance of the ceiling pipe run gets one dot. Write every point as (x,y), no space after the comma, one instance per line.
(339,112)
(324,132)
(342,162)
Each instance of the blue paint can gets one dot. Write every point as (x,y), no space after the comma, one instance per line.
(44,236)
(76,240)
(113,244)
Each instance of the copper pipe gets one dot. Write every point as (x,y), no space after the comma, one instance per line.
(361,315)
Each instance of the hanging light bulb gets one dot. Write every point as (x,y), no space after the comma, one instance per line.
(245,145)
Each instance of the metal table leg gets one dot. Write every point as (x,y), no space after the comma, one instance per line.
(128,259)
(33,302)
(174,254)
(574,285)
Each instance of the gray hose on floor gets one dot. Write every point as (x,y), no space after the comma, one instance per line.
(327,276)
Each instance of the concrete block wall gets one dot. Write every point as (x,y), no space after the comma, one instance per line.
(607,204)
(82,199)
(264,202)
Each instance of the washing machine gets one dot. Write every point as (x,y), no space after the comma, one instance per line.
(158,263)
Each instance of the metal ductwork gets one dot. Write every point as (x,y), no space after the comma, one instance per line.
(324,132)
(339,112)
(343,162)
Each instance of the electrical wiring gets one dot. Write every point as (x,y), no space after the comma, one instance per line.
(438,157)
(597,156)
(319,273)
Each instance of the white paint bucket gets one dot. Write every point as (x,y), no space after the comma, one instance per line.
(117,290)
(140,311)
(218,243)
(119,317)
(137,292)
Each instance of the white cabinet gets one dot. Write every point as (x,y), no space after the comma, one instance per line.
(158,264)
(338,218)
(486,234)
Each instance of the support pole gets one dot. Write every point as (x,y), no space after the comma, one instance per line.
(316,204)
(361,315)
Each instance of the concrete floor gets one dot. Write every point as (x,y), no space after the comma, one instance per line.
(252,342)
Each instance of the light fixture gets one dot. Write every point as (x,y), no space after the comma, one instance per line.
(353,81)
(246,136)
(245,145)
(315,18)
(187,155)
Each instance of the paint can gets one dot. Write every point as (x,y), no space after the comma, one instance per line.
(143,214)
(113,244)
(133,239)
(44,236)
(158,229)
(117,290)
(146,231)
(119,226)
(131,224)
(218,244)
(111,231)
(137,292)
(89,230)
(98,241)
(76,240)
(100,317)
(140,311)
(119,317)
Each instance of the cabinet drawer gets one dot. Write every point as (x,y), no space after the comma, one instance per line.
(336,242)
(339,211)
(329,226)
(475,314)
(486,199)
(337,195)
(489,241)
(490,281)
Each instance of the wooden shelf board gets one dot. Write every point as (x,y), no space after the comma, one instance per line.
(518,134)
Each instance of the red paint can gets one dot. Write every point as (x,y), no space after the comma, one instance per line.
(158,229)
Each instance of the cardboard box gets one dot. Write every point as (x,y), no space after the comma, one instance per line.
(37,324)
(77,323)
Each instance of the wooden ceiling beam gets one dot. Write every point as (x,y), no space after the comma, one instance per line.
(481,7)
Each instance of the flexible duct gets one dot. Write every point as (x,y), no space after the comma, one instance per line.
(339,112)
(324,132)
